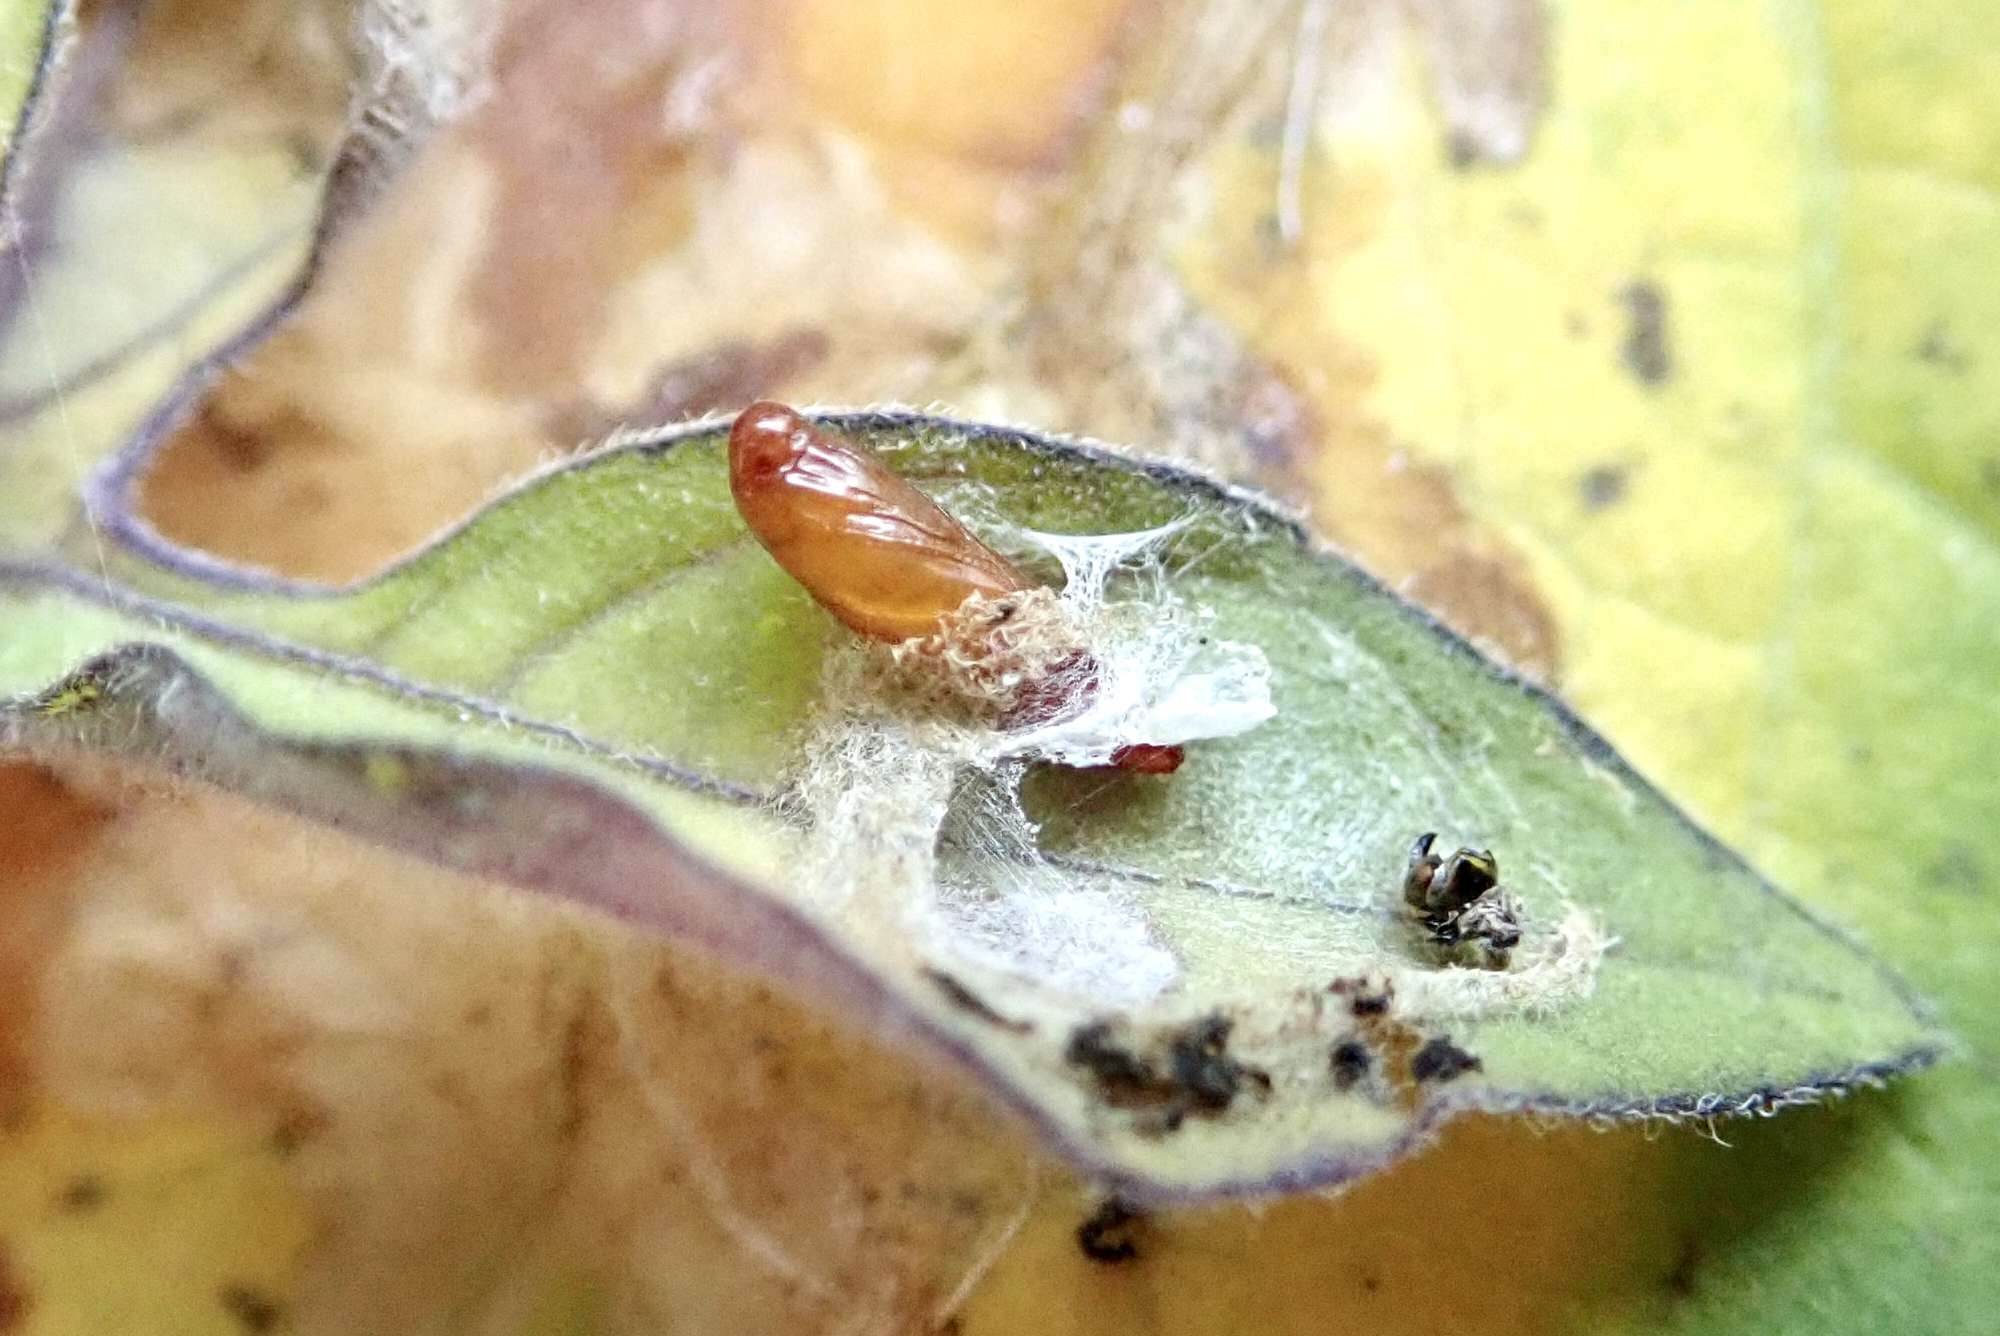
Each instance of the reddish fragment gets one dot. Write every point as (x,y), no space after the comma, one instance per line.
(1148,758)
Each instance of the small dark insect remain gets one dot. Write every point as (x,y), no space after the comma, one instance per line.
(1365,997)
(1203,1068)
(1106,1235)
(1122,1074)
(1441,1060)
(1462,902)
(1445,886)
(1198,1074)
(1647,354)
(1350,1062)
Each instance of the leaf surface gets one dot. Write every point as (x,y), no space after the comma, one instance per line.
(612,620)
(1455,388)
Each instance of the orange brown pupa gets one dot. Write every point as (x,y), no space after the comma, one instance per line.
(870,547)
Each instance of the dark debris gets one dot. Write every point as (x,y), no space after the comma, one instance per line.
(1122,1076)
(1440,1060)
(1107,1235)
(1646,353)
(1199,1075)
(1602,487)
(968,1001)
(1350,1061)
(1365,997)
(1203,1068)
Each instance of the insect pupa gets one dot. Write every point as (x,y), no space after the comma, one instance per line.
(883,558)
(1462,902)
(870,547)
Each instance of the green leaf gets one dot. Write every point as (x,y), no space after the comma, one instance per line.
(29,40)
(607,643)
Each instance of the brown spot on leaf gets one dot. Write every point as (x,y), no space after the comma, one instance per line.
(238,448)
(15,1301)
(85,1192)
(296,1128)
(1128,352)
(254,1310)
(451,1180)
(1279,428)
(587,1037)
(1107,332)
(1646,352)
(46,823)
